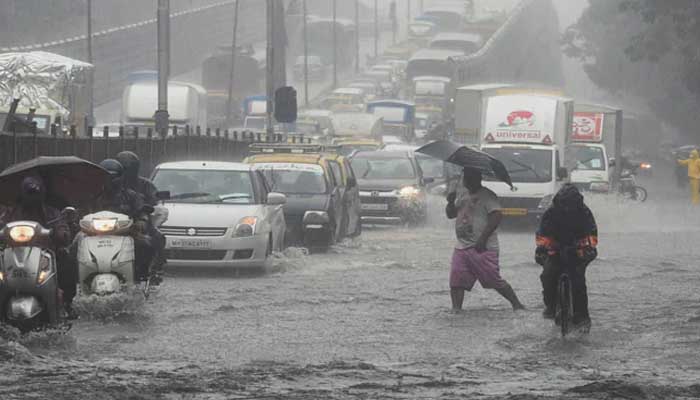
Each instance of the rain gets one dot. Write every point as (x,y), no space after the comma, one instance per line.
(308,218)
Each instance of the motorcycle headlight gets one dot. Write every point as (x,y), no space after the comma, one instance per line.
(245,227)
(546,201)
(44,270)
(645,165)
(409,191)
(22,234)
(104,225)
(2,276)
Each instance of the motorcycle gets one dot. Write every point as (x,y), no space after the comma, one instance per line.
(629,188)
(29,294)
(106,255)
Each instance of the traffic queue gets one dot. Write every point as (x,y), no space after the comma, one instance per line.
(349,160)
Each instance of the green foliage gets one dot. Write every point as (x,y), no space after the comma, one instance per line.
(644,48)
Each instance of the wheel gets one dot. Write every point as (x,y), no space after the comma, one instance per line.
(565,305)
(640,193)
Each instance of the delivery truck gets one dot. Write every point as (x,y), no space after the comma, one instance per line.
(593,146)
(528,133)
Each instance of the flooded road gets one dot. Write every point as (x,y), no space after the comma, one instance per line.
(372,320)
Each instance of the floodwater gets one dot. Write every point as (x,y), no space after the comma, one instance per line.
(371,320)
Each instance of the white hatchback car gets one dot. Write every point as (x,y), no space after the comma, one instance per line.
(221,215)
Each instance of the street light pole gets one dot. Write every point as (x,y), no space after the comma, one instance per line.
(90,121)
(335,45)
(357,36)
(163,20)
(376,30)
(306,58)
(231,77)
(270,65)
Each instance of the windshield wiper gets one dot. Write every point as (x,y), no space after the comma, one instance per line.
(183,196)
(234,196)
(527,167)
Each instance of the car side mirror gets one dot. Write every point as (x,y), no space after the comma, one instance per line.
(164,195)
(352,182)
(562,173)
(611,162)
(276,199)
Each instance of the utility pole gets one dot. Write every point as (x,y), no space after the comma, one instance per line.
(269,62)
(376,30)
(90,120)
(163,20)
(335,45)
(421,6)
(357,36)
(408,14)
(394,21)
(231,77)
(306,58)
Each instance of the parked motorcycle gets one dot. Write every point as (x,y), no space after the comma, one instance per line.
(106,257)
(29,294)
(629,188)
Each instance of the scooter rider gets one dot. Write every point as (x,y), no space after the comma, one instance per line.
(567,223)
(31,206)
(119,199)
(148,192)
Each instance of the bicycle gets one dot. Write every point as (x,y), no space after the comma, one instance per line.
(565,298)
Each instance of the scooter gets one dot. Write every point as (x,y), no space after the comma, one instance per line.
(29,295)
(106,258)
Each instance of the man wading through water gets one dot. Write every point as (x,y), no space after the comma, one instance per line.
(475,257)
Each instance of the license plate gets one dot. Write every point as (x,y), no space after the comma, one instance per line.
(190,243)
(514,212)
(375,207)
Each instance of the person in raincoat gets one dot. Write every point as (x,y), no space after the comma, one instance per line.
(693,164)
(568,224)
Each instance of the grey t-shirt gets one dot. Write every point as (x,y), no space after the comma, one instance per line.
(472,218)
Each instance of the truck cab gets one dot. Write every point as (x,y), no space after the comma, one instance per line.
(528,133)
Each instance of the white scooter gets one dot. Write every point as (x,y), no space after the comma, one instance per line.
(29,296)
(106,259)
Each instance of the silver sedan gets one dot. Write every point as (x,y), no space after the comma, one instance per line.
(220,215)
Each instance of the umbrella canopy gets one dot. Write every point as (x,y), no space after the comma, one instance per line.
(468,158)
(70,181)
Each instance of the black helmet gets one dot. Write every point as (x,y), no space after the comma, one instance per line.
(130,161)
(114,167)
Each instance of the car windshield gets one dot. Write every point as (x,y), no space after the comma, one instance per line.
(308,128)
(524,165)
(432,167)
(295,178)
(587,158)
(383,168)
(255,123)
(206,186)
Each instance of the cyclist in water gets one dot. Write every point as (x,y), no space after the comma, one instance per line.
(568,223)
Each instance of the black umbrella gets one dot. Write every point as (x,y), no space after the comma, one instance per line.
(468,158)
(70,181)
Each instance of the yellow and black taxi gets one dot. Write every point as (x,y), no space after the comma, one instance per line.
(314,186)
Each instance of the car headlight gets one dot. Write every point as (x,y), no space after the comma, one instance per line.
(22,234)
(645,165)
(104,225)
(245,227)
(316,218)
(546,202)
(409,191)
(2,276)
(44,270)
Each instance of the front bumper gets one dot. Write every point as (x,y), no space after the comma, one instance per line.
(521,208)
(218,252)
(388,208)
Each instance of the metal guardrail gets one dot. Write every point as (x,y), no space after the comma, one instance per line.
(178,145)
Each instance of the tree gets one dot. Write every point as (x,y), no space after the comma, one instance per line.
(643,48)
